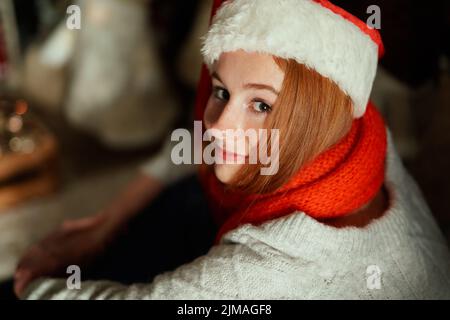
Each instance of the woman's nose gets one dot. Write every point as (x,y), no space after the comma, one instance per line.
(230,117)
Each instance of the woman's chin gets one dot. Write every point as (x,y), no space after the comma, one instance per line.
(226,172)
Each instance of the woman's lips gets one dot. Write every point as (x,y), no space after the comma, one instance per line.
(230,156)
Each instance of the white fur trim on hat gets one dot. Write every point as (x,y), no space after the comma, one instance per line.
(303,30)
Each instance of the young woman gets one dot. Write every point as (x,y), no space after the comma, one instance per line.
(340,218)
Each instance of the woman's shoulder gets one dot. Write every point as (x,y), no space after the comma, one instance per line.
(403,245)
(405,224)
(382,260)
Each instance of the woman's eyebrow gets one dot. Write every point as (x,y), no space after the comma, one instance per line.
(261,87)
(216,76)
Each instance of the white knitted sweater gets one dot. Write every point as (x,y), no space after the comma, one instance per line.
(401,255)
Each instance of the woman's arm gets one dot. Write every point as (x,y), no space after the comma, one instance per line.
(80,241)
(224,273)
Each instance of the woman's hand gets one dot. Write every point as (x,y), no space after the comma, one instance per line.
(75,242)
(79,242)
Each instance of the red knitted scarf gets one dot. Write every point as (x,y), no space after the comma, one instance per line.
(338,182)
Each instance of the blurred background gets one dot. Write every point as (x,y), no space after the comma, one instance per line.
(82,109)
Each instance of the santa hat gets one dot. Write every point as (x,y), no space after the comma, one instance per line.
(315,33)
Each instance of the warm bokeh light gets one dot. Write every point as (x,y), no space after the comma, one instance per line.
(15,124)
(21,107)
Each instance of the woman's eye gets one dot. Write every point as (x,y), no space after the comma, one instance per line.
(221,94)
(261,107)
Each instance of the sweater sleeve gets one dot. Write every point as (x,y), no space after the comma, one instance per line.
(226,272)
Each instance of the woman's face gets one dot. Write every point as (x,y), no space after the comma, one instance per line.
(245,88)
